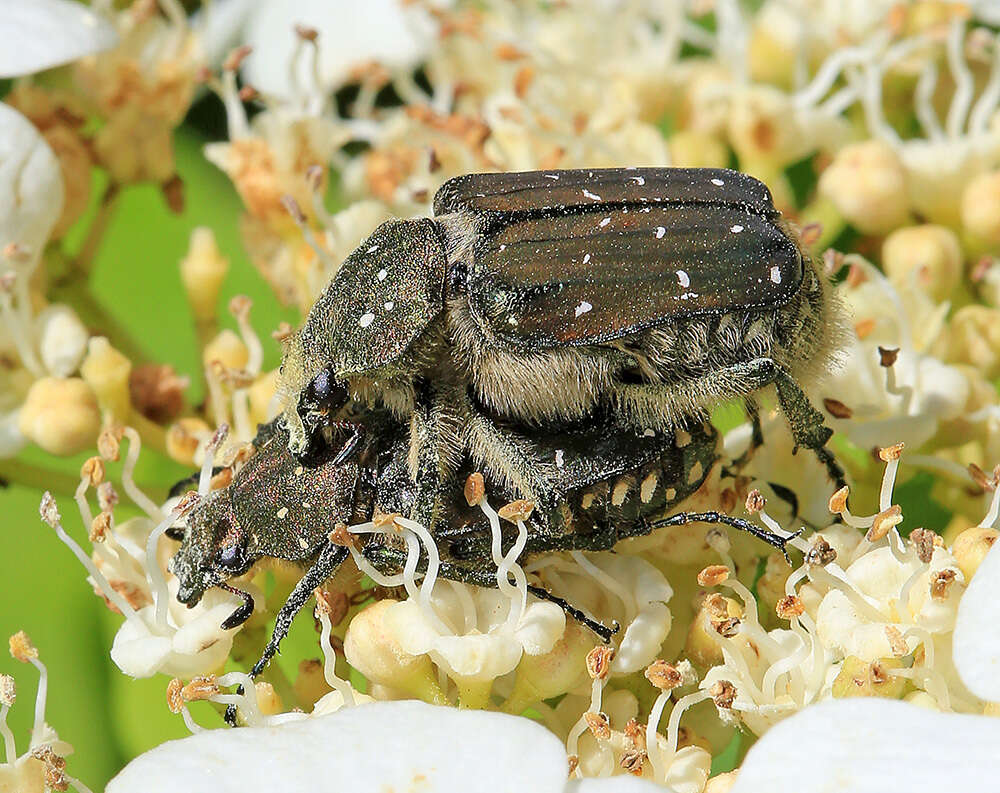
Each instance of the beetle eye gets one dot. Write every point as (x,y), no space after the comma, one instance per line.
(325,390)
(231,556)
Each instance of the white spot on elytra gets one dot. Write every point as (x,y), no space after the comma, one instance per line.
(736,229)
(512,320)
(639,180)
(776,274)
(604,222)
(366,319)
(683,279)
(559,458)
(586,258)
(648,433)
(282,512)
(503,247)
(382,274)
(660,231)
(718,182)
(553,176)
(389,305)
(583,308)
(591,196)
(372,249)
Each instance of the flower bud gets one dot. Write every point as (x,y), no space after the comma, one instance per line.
(981,209)
(867,184)
(228,349)
(60,415)
(62,339)
(182,439)
(202,272)
(974,339)
(970,548)
(858,678)
(107,371)
(550,674)
(929,256)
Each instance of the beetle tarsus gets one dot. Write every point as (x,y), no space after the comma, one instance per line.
(603,631)
(356,432)
(243,613)
(771,538)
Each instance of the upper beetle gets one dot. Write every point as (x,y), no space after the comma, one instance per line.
(534,297)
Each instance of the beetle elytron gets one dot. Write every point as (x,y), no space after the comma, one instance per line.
(536,298)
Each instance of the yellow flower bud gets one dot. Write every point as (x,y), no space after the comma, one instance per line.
(60,415)
(928,256)
(228,349)
(202,271)
(970,548)
(550,674)
(182,439)
(107,372)
(981,209)
(867,184)
(693,149)
(974,338)
(721,783)
(858,678)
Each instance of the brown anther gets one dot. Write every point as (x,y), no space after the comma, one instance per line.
(664,676)
(863,328)
(508,52)
(306,33)
(580,121)
(187,502)
(203,75)
(293,209)
(222,479)
(343,537)
(856,276)
(716,607)
(48,510)
(173,194)
(924,542)
(885,520)
(789,606)
(713,575)
(175,702)
(15,252)
(248,93)
(887,356)
(107,496)
(941,582)
(728,499)
(109,443)
(820,553)
(572,761)
(979,477)
(201,687)
(889,453)
(838,501)
(385,520)
(832,262)
(239,306)
(515,511)
(236,57)
(837,409)
(599,725)
(282,333)
(755,502)
(632,761)
(723,694)
(727,628)
(522,81)
(810,234)
(21,647)
(475,489)
(55,767)
(334,604)
(7,281)
(980,268)
(896,641)
(100,527)
(636,734)
(157,391)
(8,690)
(92,471)
(433,161)
(599,662)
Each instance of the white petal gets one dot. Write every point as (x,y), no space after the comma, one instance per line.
(615,784)
(542,625)
(220,27)
(643,638)
(350,33)
(872,746)
(368,749)
(12,440)
(976,641)
(62,339)
(31,187)
(40,34)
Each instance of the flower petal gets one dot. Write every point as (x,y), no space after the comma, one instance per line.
(976,641)
(615,784)
(46,33)
(869,744)
(371,748)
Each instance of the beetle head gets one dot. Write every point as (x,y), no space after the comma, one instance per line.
(382,299)
(213,550)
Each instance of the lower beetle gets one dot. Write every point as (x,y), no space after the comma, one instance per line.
(615,484)
(534,298)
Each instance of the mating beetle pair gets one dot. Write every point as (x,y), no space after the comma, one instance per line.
(559,331)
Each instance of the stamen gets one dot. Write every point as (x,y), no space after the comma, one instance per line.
(986,106)
(517,594)
(609,583)
(923,97)
(329,656)
(236,115)
(205,477)
(8,693)
(246,702)
(157,581)
(962,97)
(297,215)
(139,498)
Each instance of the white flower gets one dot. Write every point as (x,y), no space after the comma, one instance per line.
(976,639)
(862,745)
(368,749)
(46,33)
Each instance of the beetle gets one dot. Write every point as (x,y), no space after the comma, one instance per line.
(534,298)
(617,484)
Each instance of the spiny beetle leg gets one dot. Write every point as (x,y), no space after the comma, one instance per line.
(683,518)
(330,558)
(242,614)
(356,431)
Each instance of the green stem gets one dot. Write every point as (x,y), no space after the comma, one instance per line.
(35,477)
(83,263)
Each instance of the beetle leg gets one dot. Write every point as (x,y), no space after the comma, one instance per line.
(683,518)
(330,558)
(356,431)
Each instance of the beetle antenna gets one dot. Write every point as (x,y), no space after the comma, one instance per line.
(603,631)
(771,538)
